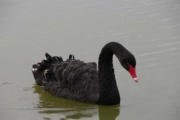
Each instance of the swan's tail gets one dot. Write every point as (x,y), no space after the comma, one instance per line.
(42,70)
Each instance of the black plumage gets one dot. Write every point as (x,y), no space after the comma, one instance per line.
(77,80)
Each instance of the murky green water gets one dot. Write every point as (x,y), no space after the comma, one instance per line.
(148,28)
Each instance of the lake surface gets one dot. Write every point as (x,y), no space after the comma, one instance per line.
(150,29)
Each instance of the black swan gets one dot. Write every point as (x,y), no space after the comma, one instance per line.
(77,80)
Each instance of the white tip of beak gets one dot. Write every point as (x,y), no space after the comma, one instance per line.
(136,79)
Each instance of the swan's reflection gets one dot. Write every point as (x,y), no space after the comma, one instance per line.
(108,112)
(68,109)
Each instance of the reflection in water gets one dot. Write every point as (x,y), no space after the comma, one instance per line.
(49,104)
(108,112)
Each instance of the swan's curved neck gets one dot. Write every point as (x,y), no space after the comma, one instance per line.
(109,93)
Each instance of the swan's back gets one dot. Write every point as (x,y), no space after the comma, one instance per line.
(72,79)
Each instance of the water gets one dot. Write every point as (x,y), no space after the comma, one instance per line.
(150,29)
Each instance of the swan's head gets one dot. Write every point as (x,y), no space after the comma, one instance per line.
(129,63)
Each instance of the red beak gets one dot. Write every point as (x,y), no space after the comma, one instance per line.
(132,72)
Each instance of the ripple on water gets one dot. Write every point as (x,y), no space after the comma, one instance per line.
(4,84)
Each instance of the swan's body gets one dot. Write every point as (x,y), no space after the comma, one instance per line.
(77,80)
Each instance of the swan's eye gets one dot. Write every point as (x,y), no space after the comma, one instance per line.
(125,64)
(132,61)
